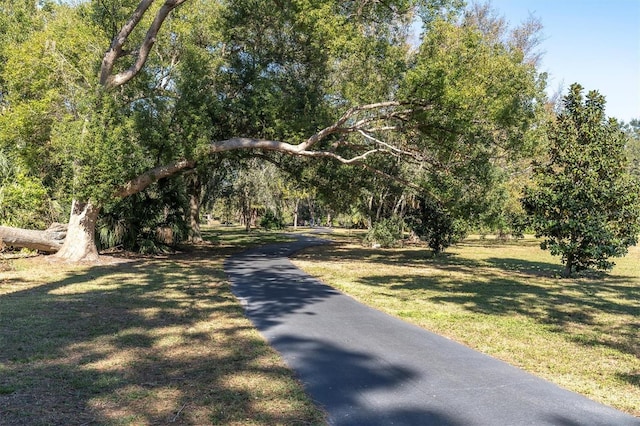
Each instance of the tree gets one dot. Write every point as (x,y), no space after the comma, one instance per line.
(583,201)
(285,81)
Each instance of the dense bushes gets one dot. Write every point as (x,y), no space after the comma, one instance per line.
(152,221)
(25,203)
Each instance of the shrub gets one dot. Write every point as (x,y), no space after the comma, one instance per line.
(386,232)
(152,221)
(271,220)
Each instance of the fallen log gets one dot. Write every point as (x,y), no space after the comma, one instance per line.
(48,241)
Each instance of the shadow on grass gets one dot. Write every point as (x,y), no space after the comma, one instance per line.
(410,257)
(632,378)
(150,341)
(507,286)
(542,269)
(241,239)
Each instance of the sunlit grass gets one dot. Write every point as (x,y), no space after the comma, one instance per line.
(506,299)
(144,341)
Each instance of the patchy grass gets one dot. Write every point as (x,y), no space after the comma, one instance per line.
(506,299)
(140,341)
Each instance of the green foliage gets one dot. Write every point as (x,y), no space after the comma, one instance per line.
(271,220)
(583,201)
(502,213)
(18,18)
(100,152)
(152,221)
(25,203)
(484,100)
(439,10)
(432,223)
(48,95)
(479,84)
(24,199)
(387,232)
(272,84)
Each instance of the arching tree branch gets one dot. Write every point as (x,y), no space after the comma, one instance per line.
(350,122)
(144,180)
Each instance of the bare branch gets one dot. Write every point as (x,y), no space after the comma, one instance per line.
(339,126)
(380,129)
(107,78)
(327,154)
(390,147)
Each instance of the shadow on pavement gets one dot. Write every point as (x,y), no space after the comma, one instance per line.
(355,379)
(273,287)
(274,291)
(367,368)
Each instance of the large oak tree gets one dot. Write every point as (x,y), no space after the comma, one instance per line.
(319,80)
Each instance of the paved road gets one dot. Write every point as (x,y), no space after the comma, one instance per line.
(367,368)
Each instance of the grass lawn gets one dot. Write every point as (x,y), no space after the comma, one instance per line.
(139,341)
(506,299)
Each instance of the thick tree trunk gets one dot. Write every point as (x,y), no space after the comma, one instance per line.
(80,243)
(48,241)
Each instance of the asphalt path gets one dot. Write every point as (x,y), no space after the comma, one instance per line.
(364,367)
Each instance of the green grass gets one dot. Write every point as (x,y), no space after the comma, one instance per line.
(141,341)
(506,299)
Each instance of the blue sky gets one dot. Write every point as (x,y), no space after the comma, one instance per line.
(592,42)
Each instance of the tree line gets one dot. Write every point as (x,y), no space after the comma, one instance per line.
(123,117)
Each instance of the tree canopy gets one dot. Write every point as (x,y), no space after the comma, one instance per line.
(101,100)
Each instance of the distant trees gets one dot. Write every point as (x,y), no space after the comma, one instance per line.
(583,201)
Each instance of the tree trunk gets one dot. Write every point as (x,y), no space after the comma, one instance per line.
(246,215)
(568,266)
(295,214)
(312,211)
(195,235)
(80,243)
(253,223)
(48,241)
(381,198)
(195,195)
